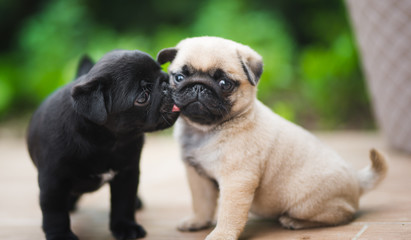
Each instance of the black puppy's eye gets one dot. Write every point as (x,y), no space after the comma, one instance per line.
(225,85)
(179,78)
(142,99)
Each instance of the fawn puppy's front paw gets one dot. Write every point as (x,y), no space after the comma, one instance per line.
(193,224)
(219,235)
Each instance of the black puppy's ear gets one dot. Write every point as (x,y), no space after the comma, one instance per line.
(84,66)
(166,55)
(88,100)
(252,64)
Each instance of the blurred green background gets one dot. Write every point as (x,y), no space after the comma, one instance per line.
(311,68)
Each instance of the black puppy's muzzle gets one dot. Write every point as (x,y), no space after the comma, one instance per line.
(168,117)
(161,115)
(167,95)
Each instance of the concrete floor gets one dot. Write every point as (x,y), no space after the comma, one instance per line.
(385,213)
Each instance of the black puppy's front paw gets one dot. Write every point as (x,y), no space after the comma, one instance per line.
(128,231)
(62,236)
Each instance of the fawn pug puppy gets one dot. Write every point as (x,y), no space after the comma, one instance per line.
(236,148)
(91,131)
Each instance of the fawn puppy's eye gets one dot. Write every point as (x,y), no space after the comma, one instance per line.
(225,85)
(179,78)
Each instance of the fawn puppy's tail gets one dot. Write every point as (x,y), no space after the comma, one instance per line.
(372,175)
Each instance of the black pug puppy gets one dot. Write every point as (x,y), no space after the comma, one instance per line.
(91,131)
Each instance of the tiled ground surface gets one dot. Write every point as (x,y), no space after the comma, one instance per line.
(385,213)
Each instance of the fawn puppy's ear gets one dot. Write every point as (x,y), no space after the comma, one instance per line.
(166,55)
(251,62)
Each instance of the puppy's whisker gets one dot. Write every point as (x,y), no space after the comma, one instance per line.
(148,111)
(223,111)
(220,112)
(165,119)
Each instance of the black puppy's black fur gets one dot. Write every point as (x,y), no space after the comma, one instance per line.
(95,125)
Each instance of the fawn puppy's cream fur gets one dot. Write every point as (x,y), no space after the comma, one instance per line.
(242,155)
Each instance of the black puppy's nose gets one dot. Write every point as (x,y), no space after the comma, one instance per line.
(165,88)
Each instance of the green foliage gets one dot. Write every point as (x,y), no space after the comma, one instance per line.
(332,82)
(6,92)
(311,74)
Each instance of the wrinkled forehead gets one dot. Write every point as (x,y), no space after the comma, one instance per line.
(208,57)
